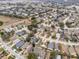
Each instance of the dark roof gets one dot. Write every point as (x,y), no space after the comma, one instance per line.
(21,32)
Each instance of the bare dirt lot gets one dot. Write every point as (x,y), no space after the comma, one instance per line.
(12,21)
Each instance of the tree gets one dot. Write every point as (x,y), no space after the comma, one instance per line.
(1,33)
(31,34)
(29,37)
(7,35)
(68,24)
(33,18)
(1,49)
(10,57)
(34,21)
(1,23)
(30,27)
(4,52)
(31,56)
(34,31)
(60,47)
(61,24)
(53,54)
(54,35)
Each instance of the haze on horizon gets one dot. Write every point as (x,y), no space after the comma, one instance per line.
(59,1)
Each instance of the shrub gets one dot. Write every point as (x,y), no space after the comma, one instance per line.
(1,23)
(31,56)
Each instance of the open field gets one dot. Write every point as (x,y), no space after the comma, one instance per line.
(11,21)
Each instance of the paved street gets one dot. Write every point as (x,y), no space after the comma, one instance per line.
(65,22)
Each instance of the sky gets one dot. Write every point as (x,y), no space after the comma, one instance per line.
(60,1)
(32,0)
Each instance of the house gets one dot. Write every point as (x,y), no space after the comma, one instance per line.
(34,40)
(50,45)
(30,48)
(19,44)
(23,32)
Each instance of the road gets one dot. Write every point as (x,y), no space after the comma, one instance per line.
(65,22)
(9,49)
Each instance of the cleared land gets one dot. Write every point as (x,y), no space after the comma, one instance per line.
(11,21)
